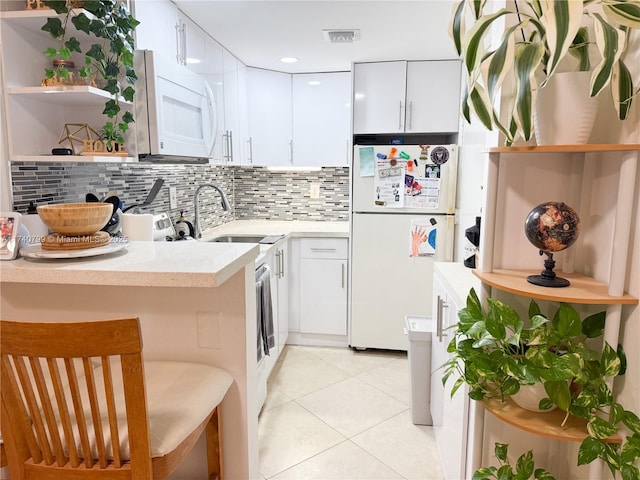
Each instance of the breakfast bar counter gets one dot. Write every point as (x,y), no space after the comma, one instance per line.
(195,301)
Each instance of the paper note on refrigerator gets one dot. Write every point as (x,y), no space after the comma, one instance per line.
(388,185)
(423,237)
(367,163)
(421,192)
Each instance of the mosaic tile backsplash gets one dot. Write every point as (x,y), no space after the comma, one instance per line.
(254,192)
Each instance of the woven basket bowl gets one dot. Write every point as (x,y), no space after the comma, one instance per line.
(75,219)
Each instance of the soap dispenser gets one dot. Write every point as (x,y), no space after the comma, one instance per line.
(184,228)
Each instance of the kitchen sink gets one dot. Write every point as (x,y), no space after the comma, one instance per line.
(239,238)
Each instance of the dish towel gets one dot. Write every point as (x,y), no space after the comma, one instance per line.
(265,309)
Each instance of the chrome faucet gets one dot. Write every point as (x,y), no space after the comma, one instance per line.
(196,204)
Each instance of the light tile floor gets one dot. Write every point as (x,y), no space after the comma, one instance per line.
(337,414)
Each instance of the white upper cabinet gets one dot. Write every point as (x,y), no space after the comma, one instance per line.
(213,71)
(269,114)
(165,29)
(321,110)
(233,133)
(406,97)
(379,97)
(433,96)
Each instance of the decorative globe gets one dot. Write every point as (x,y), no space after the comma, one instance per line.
(552,226)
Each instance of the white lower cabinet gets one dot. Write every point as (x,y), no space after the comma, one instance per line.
(323,286)
(453,417)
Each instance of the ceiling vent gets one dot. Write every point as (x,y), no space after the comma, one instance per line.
(341,36)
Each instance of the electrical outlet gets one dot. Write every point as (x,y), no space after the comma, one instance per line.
(173,197)
(314,190)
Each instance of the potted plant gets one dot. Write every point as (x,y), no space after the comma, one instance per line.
(524,468)
(496,353)
(109,60)
(540,36)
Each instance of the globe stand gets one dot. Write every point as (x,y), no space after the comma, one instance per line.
(547,277)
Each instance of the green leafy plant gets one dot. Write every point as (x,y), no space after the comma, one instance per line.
(109,59)
(524,468)
(540,35)
(495,352)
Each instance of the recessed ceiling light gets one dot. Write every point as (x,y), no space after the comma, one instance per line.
(288,59)
(192,61)
(314,82)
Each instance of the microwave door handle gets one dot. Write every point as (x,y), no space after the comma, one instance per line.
(214,118)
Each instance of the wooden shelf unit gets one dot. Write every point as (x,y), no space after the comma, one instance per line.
(586,148)
(545,424)
(571,172)
(583,289)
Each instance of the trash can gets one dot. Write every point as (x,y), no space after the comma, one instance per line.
(419,329)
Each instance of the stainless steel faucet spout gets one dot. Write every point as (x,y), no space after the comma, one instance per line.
(196,205)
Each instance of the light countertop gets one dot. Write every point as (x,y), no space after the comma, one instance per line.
(290,228)
(165,264)
(459,280)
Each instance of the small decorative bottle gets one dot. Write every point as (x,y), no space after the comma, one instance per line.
(472,235)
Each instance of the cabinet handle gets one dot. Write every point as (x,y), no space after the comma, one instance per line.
(291,152)
(318,249)
(178,43)
(225,153)
(348,150)
(342,265)
(228,140)
(410,116)
(441,306)
(278,264)
(250,153)
(282,263)
(400,116)
(184,43)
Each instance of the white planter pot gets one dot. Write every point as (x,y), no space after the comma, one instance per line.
(529,397)
(564,112)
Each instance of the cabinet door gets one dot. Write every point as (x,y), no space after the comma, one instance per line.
(321,119)
(379,97)
(159,27)
(323,296)
(269,107)
(282,273)
(433,96)
(242,136)
(450,415)
(214,73)
(230,140)
(191,43)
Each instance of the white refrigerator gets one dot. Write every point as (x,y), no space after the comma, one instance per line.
(402,221)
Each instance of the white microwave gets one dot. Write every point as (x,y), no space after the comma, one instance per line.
(175,110)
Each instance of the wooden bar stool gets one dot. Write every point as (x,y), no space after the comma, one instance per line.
(78,402)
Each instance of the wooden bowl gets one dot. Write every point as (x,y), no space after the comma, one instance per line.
(76,219)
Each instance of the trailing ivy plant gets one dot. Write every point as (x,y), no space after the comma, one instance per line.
(109,60)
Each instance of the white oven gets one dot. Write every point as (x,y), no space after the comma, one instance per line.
(175,109)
